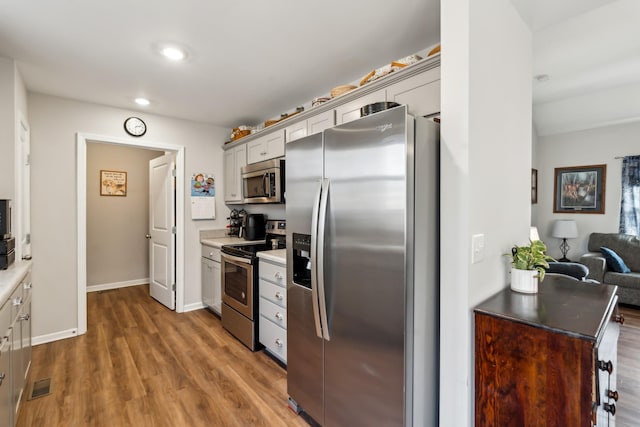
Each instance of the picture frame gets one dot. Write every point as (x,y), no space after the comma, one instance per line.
(113,183)
(580,189)
(534,186)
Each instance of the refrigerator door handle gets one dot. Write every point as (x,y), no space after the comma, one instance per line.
(314,260)
(322,220)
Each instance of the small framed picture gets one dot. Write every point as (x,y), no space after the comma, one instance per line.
(580,189)
(534,186)
(113,183)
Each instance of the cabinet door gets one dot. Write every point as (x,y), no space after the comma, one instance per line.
(266,147)
(6,399)
(320,122)
(421,93)
(350,111)
(256,151)
(296,131)
(234,159)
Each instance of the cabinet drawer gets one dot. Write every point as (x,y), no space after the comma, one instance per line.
(16,301)
(273,273)
(274,338)
(211,253)
(275,313)
(273,293)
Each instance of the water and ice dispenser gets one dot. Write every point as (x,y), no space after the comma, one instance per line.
(302,259)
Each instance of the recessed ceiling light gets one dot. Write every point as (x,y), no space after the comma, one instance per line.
(142,101)
(541,77)
(173,53)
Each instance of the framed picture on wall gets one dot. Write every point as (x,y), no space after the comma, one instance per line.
(113,183)
(580,189)
(534,186)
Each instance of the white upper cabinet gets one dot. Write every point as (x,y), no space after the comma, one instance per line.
(234,159)
(350,111)
(315,124)
(266,147)
(421,93)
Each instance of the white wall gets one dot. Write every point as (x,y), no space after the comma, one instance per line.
(486,161)
(7,125)
(54,124)
(117,250)
(589,147)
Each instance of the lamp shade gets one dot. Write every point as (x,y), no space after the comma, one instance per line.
(565,229)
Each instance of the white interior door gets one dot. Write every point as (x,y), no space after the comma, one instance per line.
(162,241)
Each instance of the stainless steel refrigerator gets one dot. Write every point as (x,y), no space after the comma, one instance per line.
(362,279)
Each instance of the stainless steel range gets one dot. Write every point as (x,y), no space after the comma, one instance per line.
(240,283)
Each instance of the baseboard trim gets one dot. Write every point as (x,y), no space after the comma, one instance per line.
(193,307)
(56,336)
(116,285)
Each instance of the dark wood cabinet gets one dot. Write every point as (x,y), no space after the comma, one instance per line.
(547,359)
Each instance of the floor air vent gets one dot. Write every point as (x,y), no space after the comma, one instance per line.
(40,388)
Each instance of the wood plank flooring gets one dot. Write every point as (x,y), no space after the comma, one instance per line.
(143,365)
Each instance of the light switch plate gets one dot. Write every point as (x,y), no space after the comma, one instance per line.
(477,248)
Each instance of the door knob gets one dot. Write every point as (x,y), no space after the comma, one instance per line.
(148,236)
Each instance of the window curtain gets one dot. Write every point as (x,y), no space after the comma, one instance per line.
(630,206)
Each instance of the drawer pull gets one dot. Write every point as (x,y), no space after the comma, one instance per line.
(280,317)
(25,317)
(612,394)
(17,301)
(2,376)
(278,296)
(605,366)
(27,285)
(278,275)
(279,344)
(619,318)
(610,408)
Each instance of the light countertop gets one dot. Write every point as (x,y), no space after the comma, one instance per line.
(11,277)
(217,242)
(278,256)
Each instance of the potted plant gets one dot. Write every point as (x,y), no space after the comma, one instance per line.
(528,264)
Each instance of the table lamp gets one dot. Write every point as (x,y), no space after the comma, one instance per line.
(565,229)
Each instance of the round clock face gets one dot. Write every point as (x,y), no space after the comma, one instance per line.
(135,126)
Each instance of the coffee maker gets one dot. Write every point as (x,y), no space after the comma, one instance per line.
(7,244)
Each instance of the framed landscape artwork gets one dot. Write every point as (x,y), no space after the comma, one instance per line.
(579,189)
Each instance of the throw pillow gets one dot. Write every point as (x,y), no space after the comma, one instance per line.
(614,262)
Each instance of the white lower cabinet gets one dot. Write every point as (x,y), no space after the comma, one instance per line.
(211,279)
(273,308)
(15,350)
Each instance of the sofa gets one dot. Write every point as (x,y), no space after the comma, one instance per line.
(627,249)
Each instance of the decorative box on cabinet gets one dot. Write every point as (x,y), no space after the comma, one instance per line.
(549,358)
(266,147)
(234,159)
(273,308)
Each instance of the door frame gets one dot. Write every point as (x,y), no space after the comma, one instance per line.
(81,145)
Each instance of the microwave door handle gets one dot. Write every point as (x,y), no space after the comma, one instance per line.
(265,184)
(322,221)
(314,260)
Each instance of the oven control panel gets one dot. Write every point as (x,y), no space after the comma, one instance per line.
(276,226)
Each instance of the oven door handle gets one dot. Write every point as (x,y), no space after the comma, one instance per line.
(236,258)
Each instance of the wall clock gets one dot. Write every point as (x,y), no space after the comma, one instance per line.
(135,126)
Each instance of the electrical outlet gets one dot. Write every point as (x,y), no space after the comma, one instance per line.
(477,248)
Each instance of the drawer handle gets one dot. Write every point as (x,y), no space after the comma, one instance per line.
(278,275)
(17,301)
(25,317)
(611,408)
(2,376)
(279,344)
(619,318)
(605,366)
(612,394)
(278,296)
(280,317)
(27,285)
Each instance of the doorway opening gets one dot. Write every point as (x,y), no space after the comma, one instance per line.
(81,145)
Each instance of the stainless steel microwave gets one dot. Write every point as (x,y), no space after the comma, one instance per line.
(263,182)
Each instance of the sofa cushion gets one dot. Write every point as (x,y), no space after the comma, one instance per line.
(625,245)
(628,280)
(614,261)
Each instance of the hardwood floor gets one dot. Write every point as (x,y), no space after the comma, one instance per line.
(628,406)
(143,365)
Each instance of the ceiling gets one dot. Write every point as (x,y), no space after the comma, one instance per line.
(247,60)
(252,60)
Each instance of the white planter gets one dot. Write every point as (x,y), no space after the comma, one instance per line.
(525,281)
